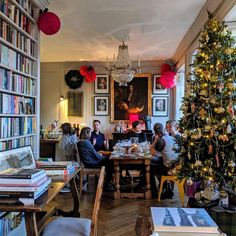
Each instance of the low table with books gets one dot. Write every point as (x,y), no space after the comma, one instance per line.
(23,188)
(168,221)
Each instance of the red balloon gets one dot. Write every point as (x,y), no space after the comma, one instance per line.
(165,68)
(167,79)
(49,23)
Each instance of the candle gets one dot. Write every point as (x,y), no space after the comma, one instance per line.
(114,59)
(139,62)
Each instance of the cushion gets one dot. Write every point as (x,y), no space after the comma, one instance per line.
(69,226)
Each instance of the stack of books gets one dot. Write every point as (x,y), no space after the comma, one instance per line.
(23,186)
(168,221)
(57,167)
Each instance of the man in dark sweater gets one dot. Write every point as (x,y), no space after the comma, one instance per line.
(97,138)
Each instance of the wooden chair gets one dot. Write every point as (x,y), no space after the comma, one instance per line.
(179,183)
(71,226)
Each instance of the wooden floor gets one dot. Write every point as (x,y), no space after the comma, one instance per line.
(116,217)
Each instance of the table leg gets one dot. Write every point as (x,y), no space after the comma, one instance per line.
(75,194)
(117,180)
(148,186)
(31,224)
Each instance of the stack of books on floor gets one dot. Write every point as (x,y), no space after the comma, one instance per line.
(23,186)
(57,167)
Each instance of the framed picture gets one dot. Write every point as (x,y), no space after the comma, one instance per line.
(75,103)
(17,158)
(101,84)
(101,106)
(131,99)
(157,87)
(160,106)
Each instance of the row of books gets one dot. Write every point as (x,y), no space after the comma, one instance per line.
(16,38)
(17,83)
(16,143)
(15,14)
(15,126)
(11,104)
(23,186)
(56,168)
(15,60)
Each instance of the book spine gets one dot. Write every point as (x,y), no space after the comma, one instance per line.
(60,172)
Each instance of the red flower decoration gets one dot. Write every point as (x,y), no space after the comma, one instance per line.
(90,75)
(165,67)
(167,79)
(83,70)
(49,23)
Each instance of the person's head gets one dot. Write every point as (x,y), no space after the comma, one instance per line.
(96,125)
(85,133)
(66,128)
(160,103)
(158,129)
(171,126)
(102,80)
(136,126)
(131,87)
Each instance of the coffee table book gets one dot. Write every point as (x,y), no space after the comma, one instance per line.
(195,221)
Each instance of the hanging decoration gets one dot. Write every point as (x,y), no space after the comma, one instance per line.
(168,74)
(88,72)
(74,79)
(48,22)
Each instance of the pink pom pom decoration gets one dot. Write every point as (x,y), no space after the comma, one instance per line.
(167,79)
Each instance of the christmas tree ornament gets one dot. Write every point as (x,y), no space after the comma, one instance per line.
(204,93)
(210,149)
(229,129)
(217,160)
(220,110)
(207,128)
(220,87)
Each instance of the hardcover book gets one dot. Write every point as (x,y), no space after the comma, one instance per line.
(165,219)
(21,173)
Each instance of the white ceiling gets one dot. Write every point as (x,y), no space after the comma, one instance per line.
(91,30)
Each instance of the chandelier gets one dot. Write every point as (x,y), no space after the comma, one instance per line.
(121,71)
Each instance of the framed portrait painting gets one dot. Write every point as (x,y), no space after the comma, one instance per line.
(131,99)
(75,103)
(160,106)
(101,106)
(157,87)
(101,84)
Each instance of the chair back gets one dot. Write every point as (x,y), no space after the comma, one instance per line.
(78,157)
(97,202)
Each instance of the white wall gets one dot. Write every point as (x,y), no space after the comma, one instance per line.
(53,86)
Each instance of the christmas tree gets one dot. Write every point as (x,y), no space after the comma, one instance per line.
(208,124)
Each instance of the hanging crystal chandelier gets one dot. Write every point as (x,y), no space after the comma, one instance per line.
(121,71)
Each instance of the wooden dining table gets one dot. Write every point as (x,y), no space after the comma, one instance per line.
(131,159)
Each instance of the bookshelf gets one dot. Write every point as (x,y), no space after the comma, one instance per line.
(19,73)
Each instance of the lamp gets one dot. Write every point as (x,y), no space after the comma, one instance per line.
(121,71)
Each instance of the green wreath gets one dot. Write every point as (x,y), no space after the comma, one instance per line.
(74,79)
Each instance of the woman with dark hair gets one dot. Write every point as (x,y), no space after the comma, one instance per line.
(91,158)
(136,132)
(67,142)
(164,155)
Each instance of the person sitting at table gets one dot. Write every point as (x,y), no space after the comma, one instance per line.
(67,142)
(91,158)
(136,132)
(97,138)
(164,156)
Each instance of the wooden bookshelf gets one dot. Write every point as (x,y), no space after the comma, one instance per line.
(19,74)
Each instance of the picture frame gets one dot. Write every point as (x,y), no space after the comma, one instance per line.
(160,105)
(157,87)
(22,157)
(121,108)
(101,105)
(75,103)
(101,84)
